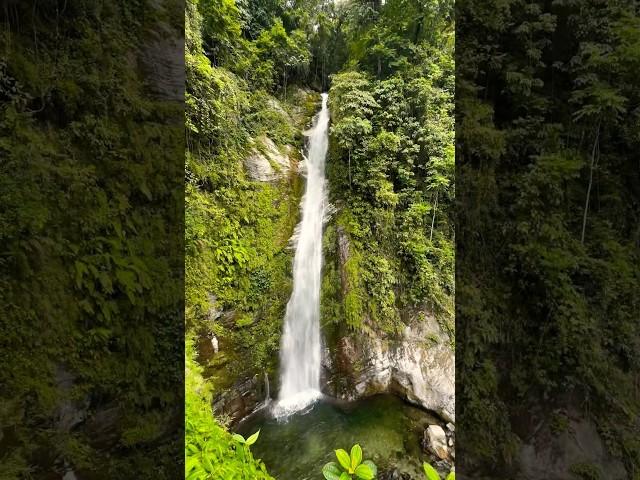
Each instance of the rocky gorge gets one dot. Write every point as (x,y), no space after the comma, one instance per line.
(416,364)
(413,362)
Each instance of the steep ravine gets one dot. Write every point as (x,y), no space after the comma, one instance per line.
(416,364)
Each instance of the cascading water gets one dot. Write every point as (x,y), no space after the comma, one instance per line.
(300,349)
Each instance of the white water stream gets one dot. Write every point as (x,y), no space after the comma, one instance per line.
(300,349)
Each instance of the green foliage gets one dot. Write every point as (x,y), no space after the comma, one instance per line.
(350,466)
(586,471)
(285,51)
(391,166)
(91,234)
(548,257)
(237,264)
(431,473)
(210,451)
(221,23)
(236,230)
(391,172)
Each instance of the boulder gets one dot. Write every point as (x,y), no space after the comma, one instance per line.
(266,163)
(240,400)
(435,440)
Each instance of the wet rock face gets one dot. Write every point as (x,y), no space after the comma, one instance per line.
(240,400)
(419,366)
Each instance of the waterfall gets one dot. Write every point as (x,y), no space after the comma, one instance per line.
(300,349)
(267,392)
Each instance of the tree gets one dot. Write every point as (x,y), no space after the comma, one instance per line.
(287,52)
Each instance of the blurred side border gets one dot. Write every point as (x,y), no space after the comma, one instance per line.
(92,239)
(548,239)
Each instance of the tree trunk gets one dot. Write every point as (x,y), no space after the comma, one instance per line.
(285,84)
(416,36)
(433,219)
(315,74)
(594,155)
(349,168)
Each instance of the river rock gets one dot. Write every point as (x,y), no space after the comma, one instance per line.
(435,440)
(266,163)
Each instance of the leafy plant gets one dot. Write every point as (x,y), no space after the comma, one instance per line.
(249,441)
(350,466)
(210,451)
(432,474)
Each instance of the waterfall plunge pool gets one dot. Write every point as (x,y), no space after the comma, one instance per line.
(296,448)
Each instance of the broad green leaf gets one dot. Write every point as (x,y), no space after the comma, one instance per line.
(430,472)
(356,456)
(196,474)
(207,464)
(451,476)
(331,471)
(238,438)
(364,472)
(343,458)
(372,466)
(345,476)
(190,464)
(253,438)
(192,448)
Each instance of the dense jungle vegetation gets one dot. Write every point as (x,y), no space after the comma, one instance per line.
(254,70)
(548,266)
(91,243)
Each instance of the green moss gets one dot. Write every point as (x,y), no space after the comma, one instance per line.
(354,298)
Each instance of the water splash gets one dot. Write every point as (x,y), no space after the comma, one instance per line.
(300,349)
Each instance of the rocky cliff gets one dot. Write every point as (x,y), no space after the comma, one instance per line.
(418,365)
